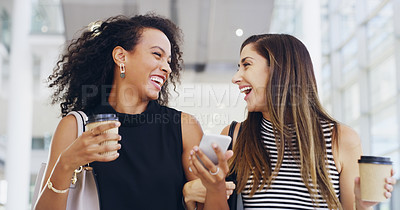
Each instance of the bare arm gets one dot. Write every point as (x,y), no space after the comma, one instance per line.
(68,153)
(348,152)
(213,176)
(194,191)
(346,158)
(191,136)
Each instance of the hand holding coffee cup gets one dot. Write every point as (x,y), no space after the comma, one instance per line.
(373,172)
(100,119)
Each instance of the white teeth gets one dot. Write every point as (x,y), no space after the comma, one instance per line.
(245,89)
(158,80)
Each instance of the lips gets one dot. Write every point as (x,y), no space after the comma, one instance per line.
(157,81)
(246,89)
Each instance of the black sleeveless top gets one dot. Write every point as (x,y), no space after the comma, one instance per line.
(148,174)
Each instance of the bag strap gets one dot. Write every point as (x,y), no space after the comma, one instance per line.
(81,118)
(235,201)
(231,131)
(232,201)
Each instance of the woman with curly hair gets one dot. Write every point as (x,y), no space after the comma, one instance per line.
(289,153)
(123,66)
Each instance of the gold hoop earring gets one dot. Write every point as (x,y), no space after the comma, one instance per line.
(122,70)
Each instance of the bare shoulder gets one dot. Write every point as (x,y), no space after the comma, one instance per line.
(348,137)
(190,123)
(191,129)
(350,150)
(68,123)
(65,133)
(225,131)
(188,119)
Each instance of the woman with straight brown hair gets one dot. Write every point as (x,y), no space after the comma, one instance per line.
(289,153)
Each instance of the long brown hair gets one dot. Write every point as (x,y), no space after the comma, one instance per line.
(292,98)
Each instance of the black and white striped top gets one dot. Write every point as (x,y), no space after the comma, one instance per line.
(288,190)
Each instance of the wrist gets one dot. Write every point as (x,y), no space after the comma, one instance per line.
(189,205)
(218,188)
(216,192)
(358,205)
(186,192)
(64,165)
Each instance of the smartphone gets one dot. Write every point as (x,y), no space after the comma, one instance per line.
(221,140)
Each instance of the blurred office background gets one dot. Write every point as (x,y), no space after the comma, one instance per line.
(355,46)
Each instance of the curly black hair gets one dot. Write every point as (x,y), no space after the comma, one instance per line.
(87,66)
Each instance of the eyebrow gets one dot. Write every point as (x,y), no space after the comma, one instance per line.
(244,59)
(158,47)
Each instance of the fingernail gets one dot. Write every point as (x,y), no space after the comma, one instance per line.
(190,157)
(191,152)
(196,148)
(387,194)
(214,145)
(117,124)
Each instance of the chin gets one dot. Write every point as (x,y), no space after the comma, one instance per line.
(153,96)
(251,108)
(256,108)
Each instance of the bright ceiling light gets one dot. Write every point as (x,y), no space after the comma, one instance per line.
(239,32)
(44,29)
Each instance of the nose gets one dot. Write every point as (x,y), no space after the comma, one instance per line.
(166,68)
(237,78)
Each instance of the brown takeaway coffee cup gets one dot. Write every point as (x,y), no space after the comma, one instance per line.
(99,119)
(373,171)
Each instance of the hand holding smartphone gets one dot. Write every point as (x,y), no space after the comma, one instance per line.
(205,145)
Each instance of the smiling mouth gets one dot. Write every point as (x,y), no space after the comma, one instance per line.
(246,90)
(159,81)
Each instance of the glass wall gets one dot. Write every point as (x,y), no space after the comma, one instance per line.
(47,17)
(359,66)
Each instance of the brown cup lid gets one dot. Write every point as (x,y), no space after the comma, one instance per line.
(375,160)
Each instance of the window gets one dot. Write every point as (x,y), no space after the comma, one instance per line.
(384,131)
(47,17)
(351,103)
(380,32)
(383,82)
(347,18)
(349,57)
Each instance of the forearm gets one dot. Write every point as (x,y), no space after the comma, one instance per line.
(60,179)
(216,200)
(358,206)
